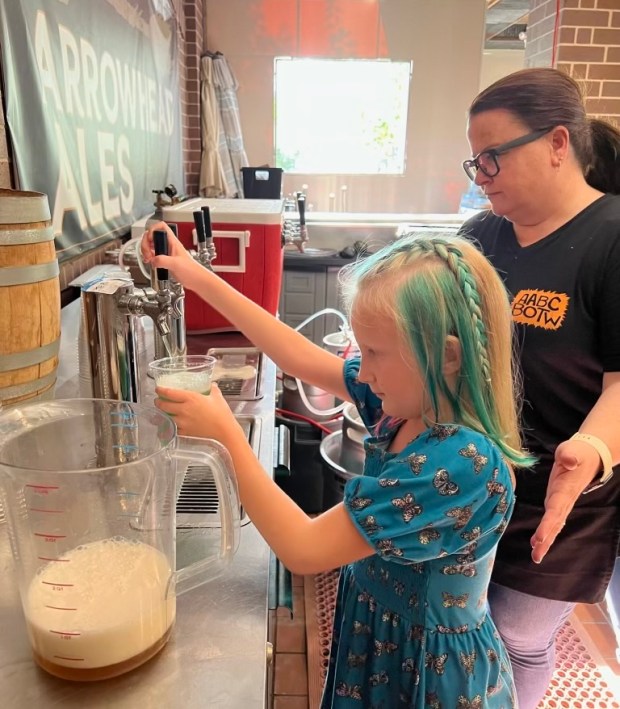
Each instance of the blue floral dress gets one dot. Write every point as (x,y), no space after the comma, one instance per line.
(411,627)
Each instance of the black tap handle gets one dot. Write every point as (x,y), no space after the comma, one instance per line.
(160,241)
(301,207)
(206,213)
(199,222)
(173,228)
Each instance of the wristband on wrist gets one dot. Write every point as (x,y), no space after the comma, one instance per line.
(605,455)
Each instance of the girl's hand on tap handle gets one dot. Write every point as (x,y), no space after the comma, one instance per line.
(179,262)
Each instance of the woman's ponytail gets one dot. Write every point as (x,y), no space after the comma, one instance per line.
(604,172)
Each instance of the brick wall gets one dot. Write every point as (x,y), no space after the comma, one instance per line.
(189,59)
(582,38)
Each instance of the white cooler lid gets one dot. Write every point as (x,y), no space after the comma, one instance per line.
(228,211)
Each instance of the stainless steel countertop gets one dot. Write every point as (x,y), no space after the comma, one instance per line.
(216,656)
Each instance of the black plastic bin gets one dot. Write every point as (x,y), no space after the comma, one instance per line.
(262,182)
(305,483)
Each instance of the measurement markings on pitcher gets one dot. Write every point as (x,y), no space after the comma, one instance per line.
(57,586)
(49,512)
(43,489)
(50,537)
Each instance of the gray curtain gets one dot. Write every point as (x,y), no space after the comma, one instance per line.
(223,154)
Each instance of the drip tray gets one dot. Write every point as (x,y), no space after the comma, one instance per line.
(237,372)
(197,499)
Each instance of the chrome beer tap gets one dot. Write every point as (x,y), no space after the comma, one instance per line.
(169,311)
(111,310)
(205,249)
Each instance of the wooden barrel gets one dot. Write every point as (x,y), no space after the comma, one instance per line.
(29,299)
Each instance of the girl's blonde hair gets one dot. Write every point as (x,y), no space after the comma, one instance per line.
(436,286)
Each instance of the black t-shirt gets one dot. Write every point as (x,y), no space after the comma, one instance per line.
(565,294)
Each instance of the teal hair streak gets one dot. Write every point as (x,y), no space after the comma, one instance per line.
(431,304)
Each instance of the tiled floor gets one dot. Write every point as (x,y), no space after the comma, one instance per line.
(596,623)
(291,689)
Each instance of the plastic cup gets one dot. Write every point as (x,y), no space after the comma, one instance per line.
(189,372)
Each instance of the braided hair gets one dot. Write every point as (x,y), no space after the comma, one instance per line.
(436,287)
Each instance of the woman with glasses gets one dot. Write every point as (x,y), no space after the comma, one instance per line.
(552,176)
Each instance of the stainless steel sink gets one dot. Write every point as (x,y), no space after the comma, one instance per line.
(311,252)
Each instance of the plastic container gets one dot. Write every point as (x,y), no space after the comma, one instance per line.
(341,344)
(262,182)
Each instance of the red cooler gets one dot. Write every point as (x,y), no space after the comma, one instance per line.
(247,234)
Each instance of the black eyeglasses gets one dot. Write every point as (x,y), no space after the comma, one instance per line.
(486,161)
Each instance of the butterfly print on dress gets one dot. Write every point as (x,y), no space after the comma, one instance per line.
(379,678)
(468,661)
(464,703)
(365,597)
(428,535)
(361,628)
(443,484)
(464,569)
(492,655)
(354,660)
(408,506)
(462,515)
(387,646)
(391,618)
(437,663)
(449,600)
(458,630)
(387,548)
(494,688)
(416,632)
(359,503)
(347,690)
(389,482)
(442,432)
(432,700)
(370,525)
(473,535)
(502,505)
(493,487)
(479,460)
(416,462)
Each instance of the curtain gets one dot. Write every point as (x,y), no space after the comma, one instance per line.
(213,182)
(231,149)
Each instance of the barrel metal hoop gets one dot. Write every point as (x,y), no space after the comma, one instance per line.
(19,360)
(22,275)
(15,237)
(26,388)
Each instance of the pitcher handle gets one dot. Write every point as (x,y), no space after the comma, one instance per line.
(193,575)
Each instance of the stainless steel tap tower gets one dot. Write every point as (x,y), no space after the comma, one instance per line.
(109,345)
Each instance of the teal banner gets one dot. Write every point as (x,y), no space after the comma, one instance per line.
(91,91)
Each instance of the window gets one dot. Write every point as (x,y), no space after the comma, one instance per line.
(341,116)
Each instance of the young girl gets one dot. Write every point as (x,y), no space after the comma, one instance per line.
(416,534)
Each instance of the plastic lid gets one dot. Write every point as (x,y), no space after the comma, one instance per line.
(228,211)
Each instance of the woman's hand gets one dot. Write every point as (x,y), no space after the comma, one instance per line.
(200,415)
(576,465)
(179,262)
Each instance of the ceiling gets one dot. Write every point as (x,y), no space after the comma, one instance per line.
(505,20)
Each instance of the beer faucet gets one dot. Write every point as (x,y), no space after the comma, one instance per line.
(111,308)
(205,248)
(297,235)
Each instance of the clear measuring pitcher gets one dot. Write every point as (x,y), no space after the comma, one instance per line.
(89,489)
